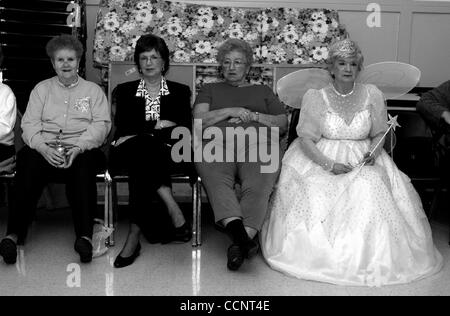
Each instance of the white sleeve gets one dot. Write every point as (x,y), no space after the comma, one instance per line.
(8,112)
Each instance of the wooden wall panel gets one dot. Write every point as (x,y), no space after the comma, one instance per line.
(430,47)
(377,43)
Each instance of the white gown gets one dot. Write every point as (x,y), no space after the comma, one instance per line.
(366,227)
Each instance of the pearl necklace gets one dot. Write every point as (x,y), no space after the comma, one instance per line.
(342,94)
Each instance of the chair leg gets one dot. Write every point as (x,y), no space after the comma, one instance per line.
(109,209)
(199,211)
(194,214)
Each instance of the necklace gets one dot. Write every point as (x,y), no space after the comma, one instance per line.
(153,90)
(68,83)
(342,94)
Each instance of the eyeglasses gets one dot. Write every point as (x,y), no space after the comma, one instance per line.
(152,58)
(237,63)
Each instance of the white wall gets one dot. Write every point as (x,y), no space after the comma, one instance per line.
(412,31)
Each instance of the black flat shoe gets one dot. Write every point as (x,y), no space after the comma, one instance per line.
(122,262)
(84,249)
(235,256)
(8,250)
(183,233)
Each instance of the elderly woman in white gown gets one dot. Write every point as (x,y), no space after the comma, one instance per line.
(330,220)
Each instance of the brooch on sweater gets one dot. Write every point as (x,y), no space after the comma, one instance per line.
(82,104)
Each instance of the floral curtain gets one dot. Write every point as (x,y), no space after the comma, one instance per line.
(194,32)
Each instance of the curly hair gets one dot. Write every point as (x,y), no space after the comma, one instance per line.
(234,44)
(149,42)
(345,48)
(64,41)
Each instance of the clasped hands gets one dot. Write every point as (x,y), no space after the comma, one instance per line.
(340,168)
(241,115)
(57,159)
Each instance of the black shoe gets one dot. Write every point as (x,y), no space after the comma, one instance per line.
(8,250)
(122,262)
(183,233)
(251,247)
(235,256)
(84,249)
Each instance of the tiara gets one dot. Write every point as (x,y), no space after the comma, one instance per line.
(344,49)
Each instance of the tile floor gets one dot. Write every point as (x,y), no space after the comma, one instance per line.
(48,265)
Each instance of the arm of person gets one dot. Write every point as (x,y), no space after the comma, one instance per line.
(276,114)
(309,132)
(310,149)
(121,113)
(183,114)
(119,117)
(8,112)
(434,105)
(202,110)
(274,117)
(32,127)
(32,119)
(97,131)
(209,118)
(269,120)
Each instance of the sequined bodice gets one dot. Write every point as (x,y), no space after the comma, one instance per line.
(335,127)
(346,117)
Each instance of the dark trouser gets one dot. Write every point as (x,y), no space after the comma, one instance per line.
(34,172)
(147,161)
(6,151)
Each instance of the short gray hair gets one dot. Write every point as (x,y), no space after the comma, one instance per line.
(234,44)
(345,48)
(64,41)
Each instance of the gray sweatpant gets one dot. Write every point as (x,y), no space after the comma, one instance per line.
(219,180)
